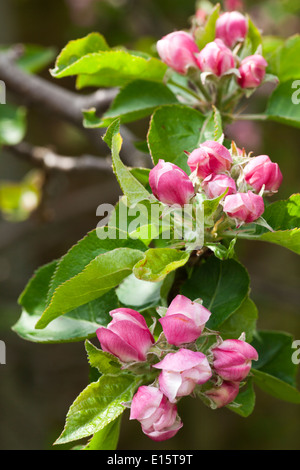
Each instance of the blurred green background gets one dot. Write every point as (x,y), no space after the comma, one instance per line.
(39,382)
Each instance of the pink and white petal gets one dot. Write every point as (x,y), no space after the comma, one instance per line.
(180,361)
(169,384)
(128,314)
(112,343)
(145,402)
(180,329)
(139,338)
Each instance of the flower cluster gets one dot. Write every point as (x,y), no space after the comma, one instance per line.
(215,170)
(179,51)
(183,367)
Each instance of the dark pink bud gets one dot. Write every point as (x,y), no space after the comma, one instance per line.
(245,207)
(184,321)
(252,71)
(170,184)
(216,185)
(127,336)
(262,171)
(210,157)
(231,5)
(215,58)
(224,394)
(233,359)
(178,51)
(181,372)
(156,414)
(231,27)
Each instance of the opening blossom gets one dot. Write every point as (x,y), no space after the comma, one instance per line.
(178,51)
(158,417)
(127,336)
(216,185)
(184,321)
(231,27)
(181,372)
(233,359)
(215,58)
(211,157)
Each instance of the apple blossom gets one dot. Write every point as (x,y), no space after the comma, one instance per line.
(181,372)
(223,394)
(233,359)
(184,321)
(252,71)
(170,184)
(127,336)
(261,171)
(216,58)
(215,185)
(158,417)
(231,27)
(178,51)
(245,207)
(210,157)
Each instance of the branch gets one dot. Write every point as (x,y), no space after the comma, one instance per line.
(46,158)
(67,105)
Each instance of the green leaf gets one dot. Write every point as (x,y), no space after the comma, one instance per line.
(287,60)
(12,124)
(158,262)
(282,107)
(107,438)
(222,285)
(131,187)
(275,372)
(246,400)
(98,65)
(102,274)
(208,33)
(94,244)
(284,218)
(276,387)
(137,100)
(77,325)
(76,50)
(241,321)
(173,130)
(149,293)
(254,36)
(104,362)
(212,127)
(97,406)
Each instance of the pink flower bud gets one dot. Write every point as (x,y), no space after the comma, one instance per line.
(231,27)
(231,5)
(127,336)
(216,185)
(224,394)
(184,321)
(232,359)
(215,58)
(245,207)
(170,184)
(156,414)
(181,371)
(252,71)
(262,171)
(210,157)
(178,51)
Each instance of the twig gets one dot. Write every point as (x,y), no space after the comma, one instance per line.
(46,158)
(67,105)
